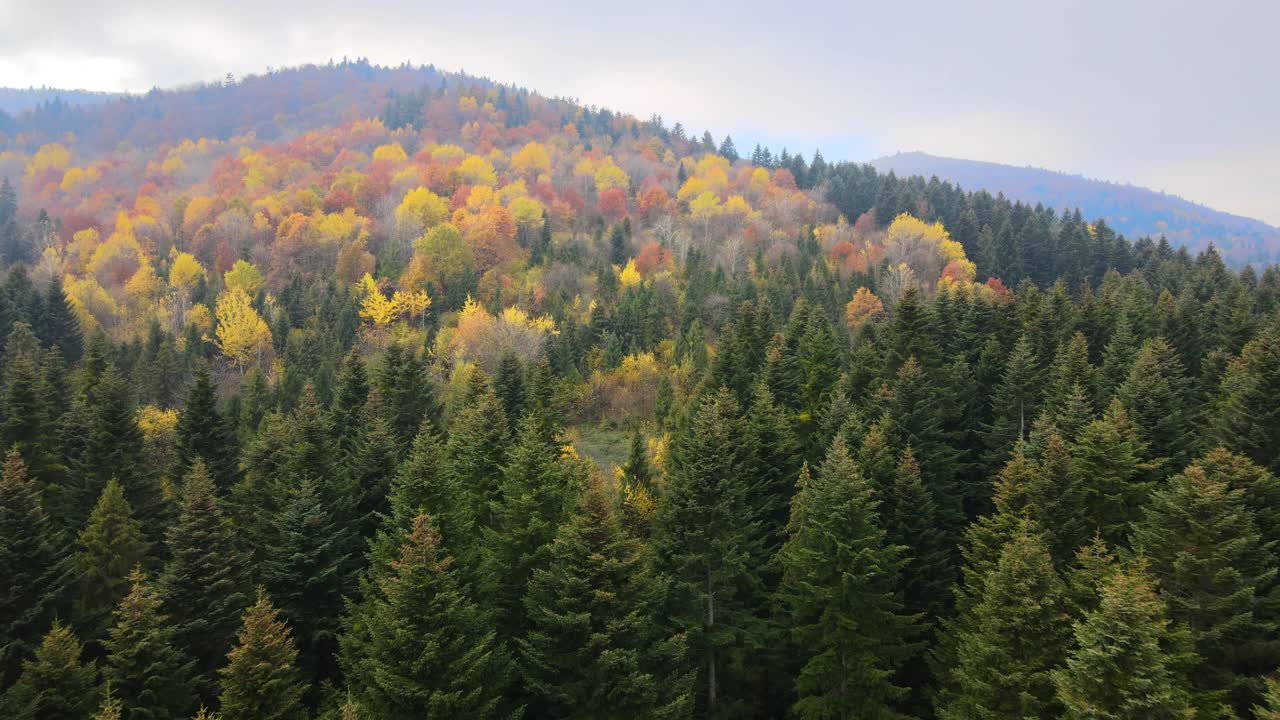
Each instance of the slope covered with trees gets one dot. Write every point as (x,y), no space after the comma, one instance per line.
(390,393)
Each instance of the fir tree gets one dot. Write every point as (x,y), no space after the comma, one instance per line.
(535,495)
(261,680)
(149,674)
(417,647)
(368,472)
(910,521)
(33,563)
(705,543)
(473,460)
(1121,665)
(307,567)
(204,584)
(840,578)
(204,434)
(1107,470)
(1219,580)
(349,401)
(1010,640)
(1248,417)
(110,546)
(776,462)
(1014,404)
(509,385)
(54,685)
(589,650)
(1154,395)
(115,448)
(59,326)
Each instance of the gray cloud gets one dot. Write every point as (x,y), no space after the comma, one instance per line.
(1174,95)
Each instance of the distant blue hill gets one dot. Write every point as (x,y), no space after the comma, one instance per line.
(1131,210)
(15,100)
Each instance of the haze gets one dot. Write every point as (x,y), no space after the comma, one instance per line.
(1176,96)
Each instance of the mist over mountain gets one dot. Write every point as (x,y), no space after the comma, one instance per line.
(1131,210)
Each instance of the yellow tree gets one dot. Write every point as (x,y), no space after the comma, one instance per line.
(532,158)
(243,276)
(243,336)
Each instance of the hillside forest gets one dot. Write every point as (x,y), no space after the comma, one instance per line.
(349,392)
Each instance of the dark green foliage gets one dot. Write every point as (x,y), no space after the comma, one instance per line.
(59,327)
(1107,469)
(839,585)
(150,676)
(34,565)
(349,400)
(1155,397)
(472,466)
(114,449)
(261,679)
(417,647)
(204,434)
(590,650)
(55,684)
(1248,416)
(705,544)
(1015,402)
(306,567)
(1218,578)
(204,584)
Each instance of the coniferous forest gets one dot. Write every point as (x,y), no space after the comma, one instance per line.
(359,392)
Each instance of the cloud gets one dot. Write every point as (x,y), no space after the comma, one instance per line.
(1178,95)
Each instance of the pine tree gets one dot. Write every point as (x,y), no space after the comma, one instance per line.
(1117,357)
(1218,578)
(1009,641)
(261,680)
(1270,709)
(1070,375)
(589,650)
(636,471)
(110,546)
(204,434)
(33,563)
(509,385)
(204,585)
(54,685)
(149,674)
(1121,666)
(368,471)
(307,567)
(420,486)
(110,707)
(26,422)
(705,543)
(840,578)
(417,647)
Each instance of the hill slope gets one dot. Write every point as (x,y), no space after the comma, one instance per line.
(1131,210)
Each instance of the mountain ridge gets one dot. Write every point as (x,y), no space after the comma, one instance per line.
(1133,210)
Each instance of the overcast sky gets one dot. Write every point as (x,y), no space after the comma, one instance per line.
(1175,95)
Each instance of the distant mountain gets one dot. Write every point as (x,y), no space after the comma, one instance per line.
(1131,210)
(15,100)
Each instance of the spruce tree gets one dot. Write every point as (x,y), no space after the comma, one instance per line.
(150,676)
(204,584)
(1007,644)
(34,565)
(589,649)
(705,543)
(473,460)
(418,487)
(261,680)
(55,684)
(1121,665)
(204,434)
(1014,403)
(1219,579)
(910,520)
(110,546)
(26,422)
(368,471)
(776,462)
(509,385)
(840,587)
(417,647)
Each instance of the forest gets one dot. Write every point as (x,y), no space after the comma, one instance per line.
(356,392)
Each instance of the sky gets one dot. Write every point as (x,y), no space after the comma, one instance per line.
(1175,95)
